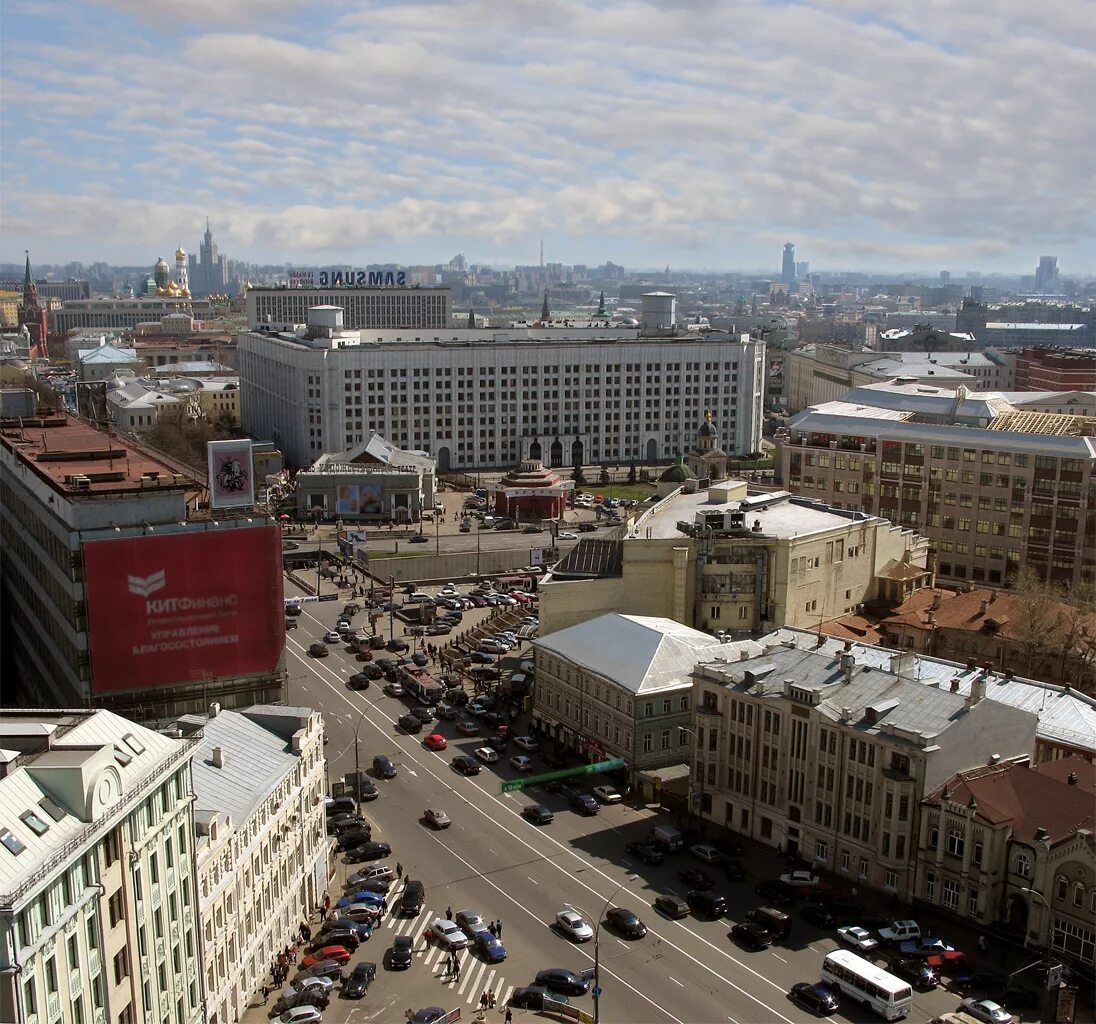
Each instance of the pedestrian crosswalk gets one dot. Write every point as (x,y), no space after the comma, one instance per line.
(475,977)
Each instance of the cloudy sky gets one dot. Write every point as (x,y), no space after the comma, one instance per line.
(700,133)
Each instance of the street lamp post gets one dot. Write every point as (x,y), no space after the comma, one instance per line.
(700,772)
(1054,970)
(597,942)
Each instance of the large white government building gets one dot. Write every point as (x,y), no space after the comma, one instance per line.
(362,307)
(476,398)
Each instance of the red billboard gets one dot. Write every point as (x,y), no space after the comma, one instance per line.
(184,607)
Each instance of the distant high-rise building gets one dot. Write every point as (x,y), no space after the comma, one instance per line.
(945,277)
(209,269)
(787,269)
(1046,275)
(802,270)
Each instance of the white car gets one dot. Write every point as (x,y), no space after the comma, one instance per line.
(706,853)
(607,794)
(574,926)
(859,938)
(800,878)
(301,1015)
(306,983)
(986,1010)
(487,755)
(527,743)
(447,934)
(437,817)
(521,763)
(331,637)
(361,913)
(567,535)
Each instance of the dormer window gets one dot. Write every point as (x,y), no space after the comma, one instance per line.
(133,743)
(11,842)
(121,756)
(34,823)
(53,809)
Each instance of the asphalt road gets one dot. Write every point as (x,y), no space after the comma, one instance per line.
(494,862)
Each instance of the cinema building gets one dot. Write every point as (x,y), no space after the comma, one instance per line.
(118,592)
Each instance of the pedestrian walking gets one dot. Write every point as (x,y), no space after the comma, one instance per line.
(326,902)
(399,870)
(384,905)
(490,999)
(483,1000)
(266,994)
(509,1018)
(493,929)
(498,928)
(448,913)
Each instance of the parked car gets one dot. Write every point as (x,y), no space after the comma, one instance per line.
(559,979)
(917,973)
(326,969)
(531,997)
(469,921)
(981,979)
(705,903)
(466,765)
(489,947)
(368,851)
(986,1010)
(583,803)
(858,938)
(926,947)
(900,931)
(487,755)
(750,935)
(815,996)
(359,980)
(468,727)
(697,878)
(527,743)
(708,854)
(607,794)
(301,1015)
(649,853)
(800,879)
(423,713)
(775,892)
(331,637)
(819,916)
(448,935)
(521,763)
(412,898)
(409,723)
(538,814)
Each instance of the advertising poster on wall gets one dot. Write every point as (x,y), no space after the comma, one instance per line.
(231,474)
(180,608)
(357,500)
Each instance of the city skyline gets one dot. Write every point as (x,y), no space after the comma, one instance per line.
(872,136)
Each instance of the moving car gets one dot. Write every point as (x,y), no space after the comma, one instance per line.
(531,997)
(750,935)
(437,817)
(423,714)
(986,1010)
(487,755)
(489,947)
(318,650)
(527,743)
(331,637)
(672,906)
(469,921)
(521,763)
(399,953)
(359,980)
(800,879)
(706,904)
(412,898)
(649,853)
(566,535)
(538,814)
(383,767)
(448,935)
(358,681)
(427,1015)
(706,853)
(466,765)
(583,803)
(815,996)
(858,938)
(409,723)
(574,926)
(697,878)
(918,973)
(625,923)
(559,979)
(435,741)
(607,794)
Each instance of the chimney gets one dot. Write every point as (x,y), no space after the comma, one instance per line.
(1071,778)
(955,685)
(936,598)
(932,618)
(1009,673)
(977,691)
(218,757)
(848,666)
(971,666)
(214,709)
(985,605)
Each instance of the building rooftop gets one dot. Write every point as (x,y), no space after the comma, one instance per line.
(590,559)
(106,354)
(997,325)
(644,654)
(55,790)
(375,455)
(1065,715)
(65,451)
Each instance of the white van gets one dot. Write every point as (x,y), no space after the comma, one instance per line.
(668,837)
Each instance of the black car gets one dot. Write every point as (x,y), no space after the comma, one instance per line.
(458,698)
(354,837)
(293,609)
(538,814)
(778,893)
(918,973)
(412,898)
(734,870)
(345,937)
(625,923)
(367,790)
(399,954)
(559,979)
(751,936)
(649,853)
(814,996)
(397,646)
(290,624)
(697,878)
(369,851)
(819,916)
(531,997)
(381,885)
(341,805)
(427,1015)
(383,767)
(311,995)
(584,803)
(705,903)
(318,650)
(672,906)
(337,824)
(466,765)
(423,714)
(409,723)
(358,681)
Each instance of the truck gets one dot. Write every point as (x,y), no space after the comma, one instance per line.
(900,931)
(420,684)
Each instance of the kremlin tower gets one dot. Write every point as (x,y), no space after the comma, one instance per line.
(32,316)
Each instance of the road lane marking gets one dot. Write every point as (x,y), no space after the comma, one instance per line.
(676,982)
(623,943)
(533,880)
(779,957)
(315,668)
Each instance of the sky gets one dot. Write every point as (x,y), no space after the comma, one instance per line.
(875,134)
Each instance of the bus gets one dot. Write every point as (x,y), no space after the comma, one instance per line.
(864,983)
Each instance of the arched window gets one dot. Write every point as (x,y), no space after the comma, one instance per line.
(1061,887)
(1023,865)
(1078,894)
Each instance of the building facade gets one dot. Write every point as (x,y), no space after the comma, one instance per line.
(425,308)
(1014,844)
(619,686)
(828,760)
(117,314)
(722,561)
(996,488)
(1047,369)
(98,904)
(80,511)
(476,399)
(260,844)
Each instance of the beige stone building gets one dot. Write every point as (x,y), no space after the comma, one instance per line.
(723,561)
(98,905)
(829,759)
(995,487)
(994,837)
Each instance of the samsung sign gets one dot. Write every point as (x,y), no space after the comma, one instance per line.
(361,278)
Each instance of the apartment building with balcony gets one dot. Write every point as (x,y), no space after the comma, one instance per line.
(98,906)
(820,756)
(995,487)
(260,843)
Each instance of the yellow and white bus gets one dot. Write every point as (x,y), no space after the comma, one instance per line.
(864,983)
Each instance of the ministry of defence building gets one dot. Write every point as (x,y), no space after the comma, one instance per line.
(362,307)
(476,398)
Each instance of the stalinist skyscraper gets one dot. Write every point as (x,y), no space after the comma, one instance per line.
(208,270)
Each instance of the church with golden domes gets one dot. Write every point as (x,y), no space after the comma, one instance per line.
(166,287)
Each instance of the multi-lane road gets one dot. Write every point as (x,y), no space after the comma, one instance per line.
(495,863)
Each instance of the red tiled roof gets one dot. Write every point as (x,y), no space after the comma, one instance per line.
(854,627)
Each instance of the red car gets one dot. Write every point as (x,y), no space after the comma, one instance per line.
(338,953)
(435,741)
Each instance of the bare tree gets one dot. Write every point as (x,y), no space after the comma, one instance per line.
(1040,612)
